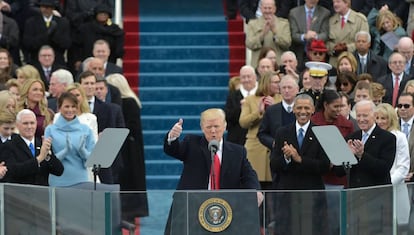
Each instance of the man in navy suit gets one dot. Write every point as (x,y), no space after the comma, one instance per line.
(396,63)
(367,61)
(374,148)
(299,162)
(235,170)
(102,51)
(405,47)
(375,153)
(29,161)
(25,166)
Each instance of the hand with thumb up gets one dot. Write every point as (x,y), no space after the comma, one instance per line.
(176,130)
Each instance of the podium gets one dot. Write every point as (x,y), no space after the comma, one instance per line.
(212,212)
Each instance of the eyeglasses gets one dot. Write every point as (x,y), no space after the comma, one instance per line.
(318,53)
(344,83)
(406,106)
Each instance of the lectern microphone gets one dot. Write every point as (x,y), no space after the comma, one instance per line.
(213,146)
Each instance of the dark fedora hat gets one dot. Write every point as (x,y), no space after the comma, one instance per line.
(48,3)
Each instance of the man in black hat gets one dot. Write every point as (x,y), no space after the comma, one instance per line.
(102,28)
(47,29)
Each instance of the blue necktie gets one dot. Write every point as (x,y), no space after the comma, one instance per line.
(405,129)
(32,149)
(365,137)
(300,137)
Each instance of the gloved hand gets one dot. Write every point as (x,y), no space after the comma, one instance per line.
(83,152)
(62,153)
(339,48)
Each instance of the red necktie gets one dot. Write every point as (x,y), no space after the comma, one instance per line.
(342,22)
(309,20)
(395,91)
(215,178)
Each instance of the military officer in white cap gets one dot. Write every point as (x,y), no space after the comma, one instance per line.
(318,72)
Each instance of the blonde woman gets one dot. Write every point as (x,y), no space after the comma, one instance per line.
(132,176)
(409,87)
(386,118)
(7,101)
(32,96)
(382,22)
(251,116)
(26,72)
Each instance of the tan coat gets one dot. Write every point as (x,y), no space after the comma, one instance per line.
(257,154)
(281,43)
(355,23)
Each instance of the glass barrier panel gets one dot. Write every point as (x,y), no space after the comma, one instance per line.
(27,209)
(301,212)
(369,210)
(82,210)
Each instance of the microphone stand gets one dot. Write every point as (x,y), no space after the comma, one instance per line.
(213,173)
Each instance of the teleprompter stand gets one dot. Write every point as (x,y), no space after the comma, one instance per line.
(335,148)
(105,151)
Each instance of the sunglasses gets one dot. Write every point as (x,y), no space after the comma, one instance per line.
(318,53)
(406,106)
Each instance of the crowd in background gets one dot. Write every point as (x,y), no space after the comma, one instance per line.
(366,49)
(61,88)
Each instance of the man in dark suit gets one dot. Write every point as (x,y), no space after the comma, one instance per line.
(102,51)
(279,114)
(406,113)
(374,148)
(106,117)
(406,48)
(235,171)
(59,80)
(96,65)
(29,160)
(285,6)
(367,61)
(375,153)
(248,85)
(397,77)
(299,162)
(46,64)
(307,22)
(47,29)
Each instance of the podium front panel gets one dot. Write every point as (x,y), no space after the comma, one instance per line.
(224,212)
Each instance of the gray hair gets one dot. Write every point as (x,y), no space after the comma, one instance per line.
(366,102)
(24,112)
(304,96)
(63,76)
(291,53)
(363,33)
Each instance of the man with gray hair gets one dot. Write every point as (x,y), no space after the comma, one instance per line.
(59,80)
(406,48)
(368,62)
(248,85)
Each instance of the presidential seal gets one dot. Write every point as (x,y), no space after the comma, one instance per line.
(215,215)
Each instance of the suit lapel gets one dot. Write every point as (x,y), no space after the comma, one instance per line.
(23,146)
(308,139)
(206,153)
